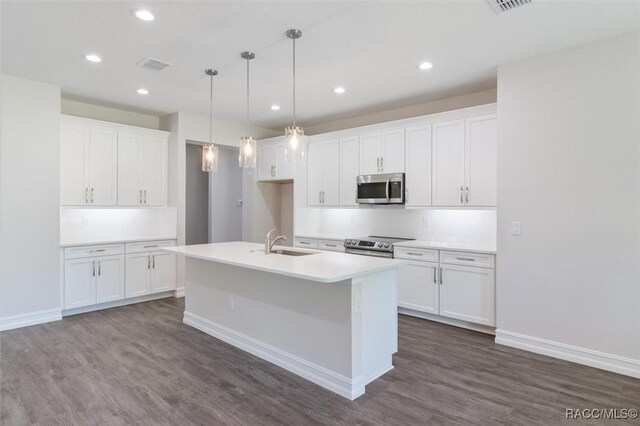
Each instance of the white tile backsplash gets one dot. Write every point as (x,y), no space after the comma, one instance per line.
(462,226)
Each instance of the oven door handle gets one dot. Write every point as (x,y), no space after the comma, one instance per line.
(387,188)
(361,252)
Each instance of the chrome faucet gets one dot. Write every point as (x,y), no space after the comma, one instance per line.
(268,243)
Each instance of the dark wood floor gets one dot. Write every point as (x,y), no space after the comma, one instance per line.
(140,365)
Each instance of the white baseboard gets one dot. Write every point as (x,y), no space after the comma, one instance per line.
(449,321)
(179,292)
(32,318)
(601,360)
(117,303)
(342,385)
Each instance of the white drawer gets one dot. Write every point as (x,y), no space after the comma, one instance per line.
(467,259)
(305,242)
(332,245)
(147,246)
(92,251)
(425,255)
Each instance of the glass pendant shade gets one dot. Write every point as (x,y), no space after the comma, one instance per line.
(294,148)
(209,158)
(247,157)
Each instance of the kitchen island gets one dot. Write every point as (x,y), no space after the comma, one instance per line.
(326,316)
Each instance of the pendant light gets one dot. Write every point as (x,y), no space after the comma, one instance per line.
(210,151)
(247,157)
(294,148)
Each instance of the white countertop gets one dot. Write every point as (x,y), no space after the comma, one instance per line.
(453,246)
(323,266)
(103,242)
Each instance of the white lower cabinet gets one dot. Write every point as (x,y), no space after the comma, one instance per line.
(138,274)
(150,270)
(452,290)
(106,273)
(91,280)
(468,294)
(418,286)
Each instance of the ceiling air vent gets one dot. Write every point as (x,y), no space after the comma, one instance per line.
(505,5)
(153,64)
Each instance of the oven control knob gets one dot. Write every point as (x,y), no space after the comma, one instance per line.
(386,245)
(380,245)
(347,241)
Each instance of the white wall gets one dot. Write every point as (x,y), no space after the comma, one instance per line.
(433,107)
(569,171)
(195,128)
(114,115)
(29,202)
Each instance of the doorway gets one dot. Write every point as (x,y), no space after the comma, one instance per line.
(197,198)
(225,198)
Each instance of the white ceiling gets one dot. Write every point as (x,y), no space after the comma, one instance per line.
(371,48)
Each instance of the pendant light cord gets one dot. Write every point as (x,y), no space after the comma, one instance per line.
(294,82)
(248,110)
(211,112)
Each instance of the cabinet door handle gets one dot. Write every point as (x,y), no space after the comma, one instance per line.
(323,197)
(91,195)
(99,268)
(145,196)
(140,197)
(382,164)
(406,195)
(93,267)
(435,279)
(441,281)
(468,259)
(461,199)
(86,195)
(154,261)
(378,163)
(467,195)
(148,261)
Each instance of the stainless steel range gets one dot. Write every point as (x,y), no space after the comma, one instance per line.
(372,246)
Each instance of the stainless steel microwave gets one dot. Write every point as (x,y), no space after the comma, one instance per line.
(380,189)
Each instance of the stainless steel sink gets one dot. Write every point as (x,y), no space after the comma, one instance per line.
(287,252)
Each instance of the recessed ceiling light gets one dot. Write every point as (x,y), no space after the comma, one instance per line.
(339,90)
(92,57)
(425,66)
(144,14)
(275,107)
(142,91)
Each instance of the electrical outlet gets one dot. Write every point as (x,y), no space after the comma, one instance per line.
(515,228)
(232,304)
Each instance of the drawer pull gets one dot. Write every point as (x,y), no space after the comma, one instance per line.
(97,251)
(152,245)
(468,259)
(304,242)
(331,245)
(414,254)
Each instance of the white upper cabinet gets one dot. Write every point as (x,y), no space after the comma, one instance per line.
(448,163)
(382,152)
(142,169)
(266,162)
(369,154)
(88,164)
(348,170)
(481,161)
(272,160)
(107,164)
(418,162)
(464,162)
(323,181)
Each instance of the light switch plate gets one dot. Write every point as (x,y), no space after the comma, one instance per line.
(515,228)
